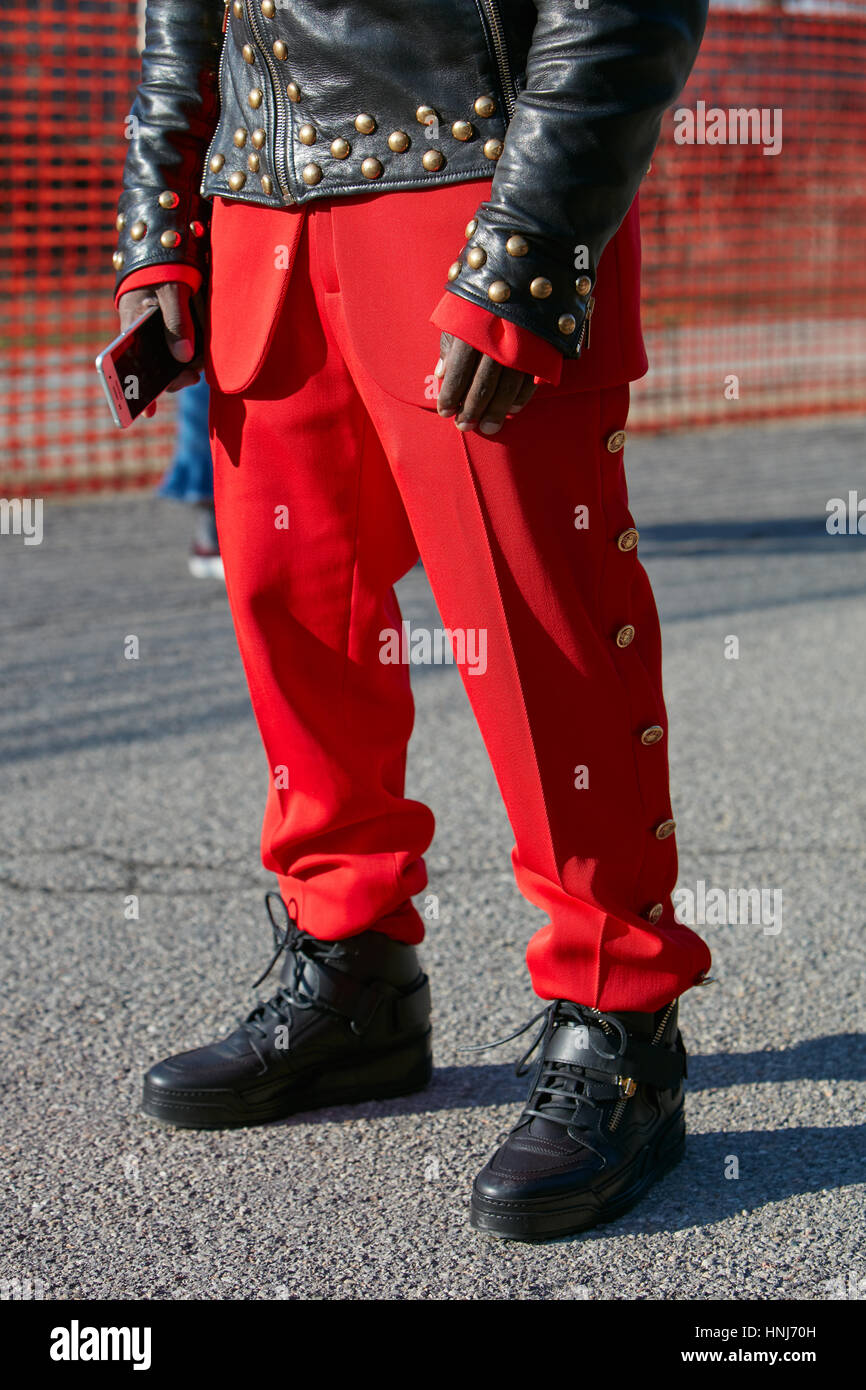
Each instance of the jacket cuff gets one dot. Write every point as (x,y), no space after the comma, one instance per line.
(526,279)
(505,342)
(158,275)
(161,228)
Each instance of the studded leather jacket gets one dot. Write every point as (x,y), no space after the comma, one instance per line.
(279,102)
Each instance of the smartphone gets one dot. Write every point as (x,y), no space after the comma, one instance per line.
(138,366)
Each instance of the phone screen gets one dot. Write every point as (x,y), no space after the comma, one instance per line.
(144,364)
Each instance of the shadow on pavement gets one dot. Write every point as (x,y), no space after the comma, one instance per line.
(839,1057)
(773,535)
(773,1165)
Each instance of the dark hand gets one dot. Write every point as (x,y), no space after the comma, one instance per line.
(476,389)
(173,299)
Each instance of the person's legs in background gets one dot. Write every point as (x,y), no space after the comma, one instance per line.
(190,479)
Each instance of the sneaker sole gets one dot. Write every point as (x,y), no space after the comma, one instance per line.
(546,1218)
(383,1077)
(206,567)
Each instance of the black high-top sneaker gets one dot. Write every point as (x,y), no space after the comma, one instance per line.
(603,1121)
(350,1022)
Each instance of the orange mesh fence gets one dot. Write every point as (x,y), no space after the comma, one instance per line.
(754,286)
(754,274)
(70,72)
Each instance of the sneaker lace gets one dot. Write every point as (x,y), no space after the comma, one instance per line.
(291,994)
(558,1089)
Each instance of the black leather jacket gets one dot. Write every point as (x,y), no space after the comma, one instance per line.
(559,101)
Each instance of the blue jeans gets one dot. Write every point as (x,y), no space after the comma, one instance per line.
(190,477)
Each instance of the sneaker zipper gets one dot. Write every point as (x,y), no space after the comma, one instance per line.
(617,1112)
(503,63)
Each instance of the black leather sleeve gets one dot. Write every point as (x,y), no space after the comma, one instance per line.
(598,81)
(162,217)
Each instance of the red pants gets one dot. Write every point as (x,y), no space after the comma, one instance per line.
(328,486)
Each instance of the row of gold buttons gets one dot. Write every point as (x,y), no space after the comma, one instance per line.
(398,141)
(627,541)
(340,148)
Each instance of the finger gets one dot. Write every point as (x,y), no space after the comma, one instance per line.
(480,393)
(524,395)
(493,418)
(132,305)
(445,341)
(460,363)
(177,316)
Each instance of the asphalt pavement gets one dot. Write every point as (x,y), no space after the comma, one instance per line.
(143,779)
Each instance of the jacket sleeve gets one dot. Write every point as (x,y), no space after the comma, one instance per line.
(598,81)
(161,217)
(497,338)
(158,275)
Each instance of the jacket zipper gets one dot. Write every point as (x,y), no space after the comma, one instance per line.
(204,172)
(280,168)
(506,80)
(503,64)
